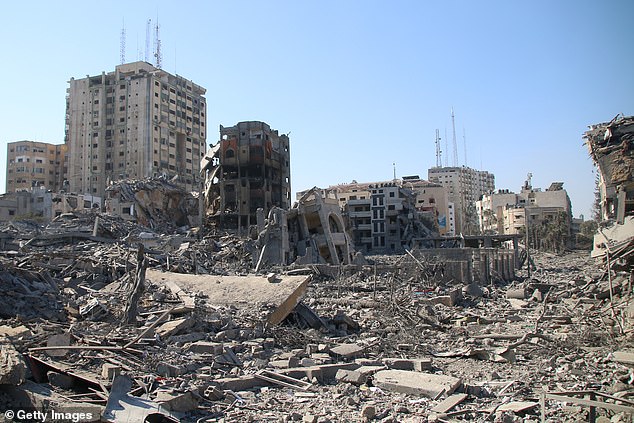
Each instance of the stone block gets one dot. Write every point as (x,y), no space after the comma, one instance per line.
(60,380)
(351,376)
(204,347)
(109,371)
(185,402)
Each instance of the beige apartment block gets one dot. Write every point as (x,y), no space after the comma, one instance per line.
(505,212)
(136,122)
(35,164)
(432,197)
(464,186)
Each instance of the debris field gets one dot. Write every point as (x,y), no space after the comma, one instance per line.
(129,324)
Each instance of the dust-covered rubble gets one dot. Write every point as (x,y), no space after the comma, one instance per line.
(393,340)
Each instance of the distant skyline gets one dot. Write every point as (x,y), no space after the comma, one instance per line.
(360,85)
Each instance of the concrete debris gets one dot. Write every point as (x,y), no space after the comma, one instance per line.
(13,369)
(313,335)
(416,383)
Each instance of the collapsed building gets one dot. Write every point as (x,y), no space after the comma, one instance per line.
(152,202)
(611,146)
(313,231)
(383,216)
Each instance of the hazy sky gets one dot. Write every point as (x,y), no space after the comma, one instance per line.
(359,85)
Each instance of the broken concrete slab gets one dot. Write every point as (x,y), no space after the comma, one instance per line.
(449,403)
(14,332)
(624,357)
(348,350)
(241,291)
(180,402)
(416,383)
(12,365)
(351,376)
(174,326)
(206,347)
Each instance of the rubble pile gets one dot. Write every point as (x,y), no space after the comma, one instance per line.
(393,340)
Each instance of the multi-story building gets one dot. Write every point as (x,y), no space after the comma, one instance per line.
(255,172)
(505,212)
(432,198)
(35,164)
(136,122)
(464,187)
(382,216)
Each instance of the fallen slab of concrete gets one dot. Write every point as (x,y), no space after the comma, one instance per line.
(416,383)
(240,291)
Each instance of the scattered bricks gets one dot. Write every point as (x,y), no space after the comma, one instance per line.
(416,383)
(185,402)
(348,350)
(169,370)
(368,412)
(174,326)
(351,376)
(204,347)
(109,371)
(60,380)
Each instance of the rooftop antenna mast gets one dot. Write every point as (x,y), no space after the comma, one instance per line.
(122,45)
(147,40)
(394,165)
(464,141)
(438,150)
(446,149)
(157,46)
(455,144)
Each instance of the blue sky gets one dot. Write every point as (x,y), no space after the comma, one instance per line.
(358,84)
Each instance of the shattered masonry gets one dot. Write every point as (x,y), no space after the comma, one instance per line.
(157,315)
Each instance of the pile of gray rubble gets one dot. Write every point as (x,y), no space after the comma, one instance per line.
(107,318)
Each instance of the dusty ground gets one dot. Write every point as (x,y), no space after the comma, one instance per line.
(560,337)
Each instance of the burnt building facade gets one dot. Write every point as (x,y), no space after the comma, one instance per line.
(254,172)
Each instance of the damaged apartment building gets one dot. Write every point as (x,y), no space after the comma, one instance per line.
(611,146)
(247,170)
(136,122)
(383,216)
